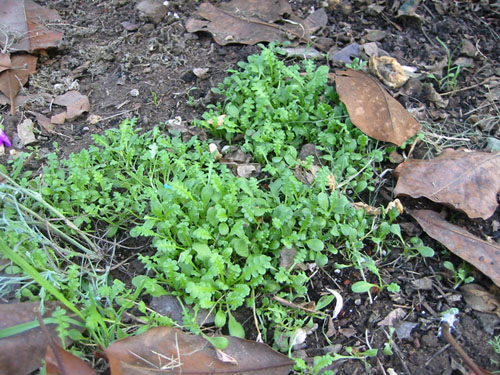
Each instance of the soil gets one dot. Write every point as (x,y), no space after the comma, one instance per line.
(129,65)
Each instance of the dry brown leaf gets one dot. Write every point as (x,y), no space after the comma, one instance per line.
(483,255)
(74,102)
(61,362)
(466,180)
(26,19)
(11,80)
(253,21)
(5,62)
(372,109)
(43,121)
(480,299)
(23,353)
(174,351)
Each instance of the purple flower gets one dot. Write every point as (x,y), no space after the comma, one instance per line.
(4,140)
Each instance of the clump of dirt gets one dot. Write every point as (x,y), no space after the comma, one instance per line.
(131,64)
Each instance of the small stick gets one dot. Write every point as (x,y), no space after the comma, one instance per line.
(445,330)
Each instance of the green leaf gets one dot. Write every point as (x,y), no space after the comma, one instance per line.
(223,229)
(324,301)
(240,246)
(315,244)
(426,251)
(202,250)
(220,319)
(202,234)
(362,286)
(235,328)
(220,343)
(323,201)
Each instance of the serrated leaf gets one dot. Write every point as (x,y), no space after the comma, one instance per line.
(202,250)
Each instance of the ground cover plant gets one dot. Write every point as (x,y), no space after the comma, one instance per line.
(216,240)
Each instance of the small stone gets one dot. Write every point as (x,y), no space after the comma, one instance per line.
(422,284)
(134,92)
(151,10)
(468,48)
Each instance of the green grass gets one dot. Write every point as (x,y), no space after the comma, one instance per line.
(216,239)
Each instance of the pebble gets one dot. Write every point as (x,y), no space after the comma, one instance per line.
(134,92)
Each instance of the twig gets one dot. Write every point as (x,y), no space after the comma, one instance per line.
(445,331)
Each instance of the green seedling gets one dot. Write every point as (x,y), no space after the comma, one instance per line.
(154,98)
(416,247)
(459,274)
(449,80)
(356,64)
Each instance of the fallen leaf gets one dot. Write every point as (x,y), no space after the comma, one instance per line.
(174,351)
(27,19)
(43,121)
(25,132)
(480,299)
(246,170)
(58,119)
(392,317)
(345,55)
(370,210)
(11,80)
(23,353)
(483,255)
(5,62)
(466,180)
(61,362)
(74,102)
(372,109)
(254,21)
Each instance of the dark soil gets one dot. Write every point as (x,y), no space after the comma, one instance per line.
(103,60)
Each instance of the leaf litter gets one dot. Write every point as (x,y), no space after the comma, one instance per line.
(466,180)
(485,256)
(254,21)
(372,109)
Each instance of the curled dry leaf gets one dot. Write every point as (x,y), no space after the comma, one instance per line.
(388,70)
(466,180)
(483,255)
(170,350)
(372,109)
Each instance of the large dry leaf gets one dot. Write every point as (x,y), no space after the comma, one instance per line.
(254,21)
(483,255)
(466,180)
(23,24)
(372,109)
(11,80)
(480,299)
(167,350)
(23,353)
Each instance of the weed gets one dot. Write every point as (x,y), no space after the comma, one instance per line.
(459,275)
(449,81)
(215,239)
(357,64)
(154,98)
